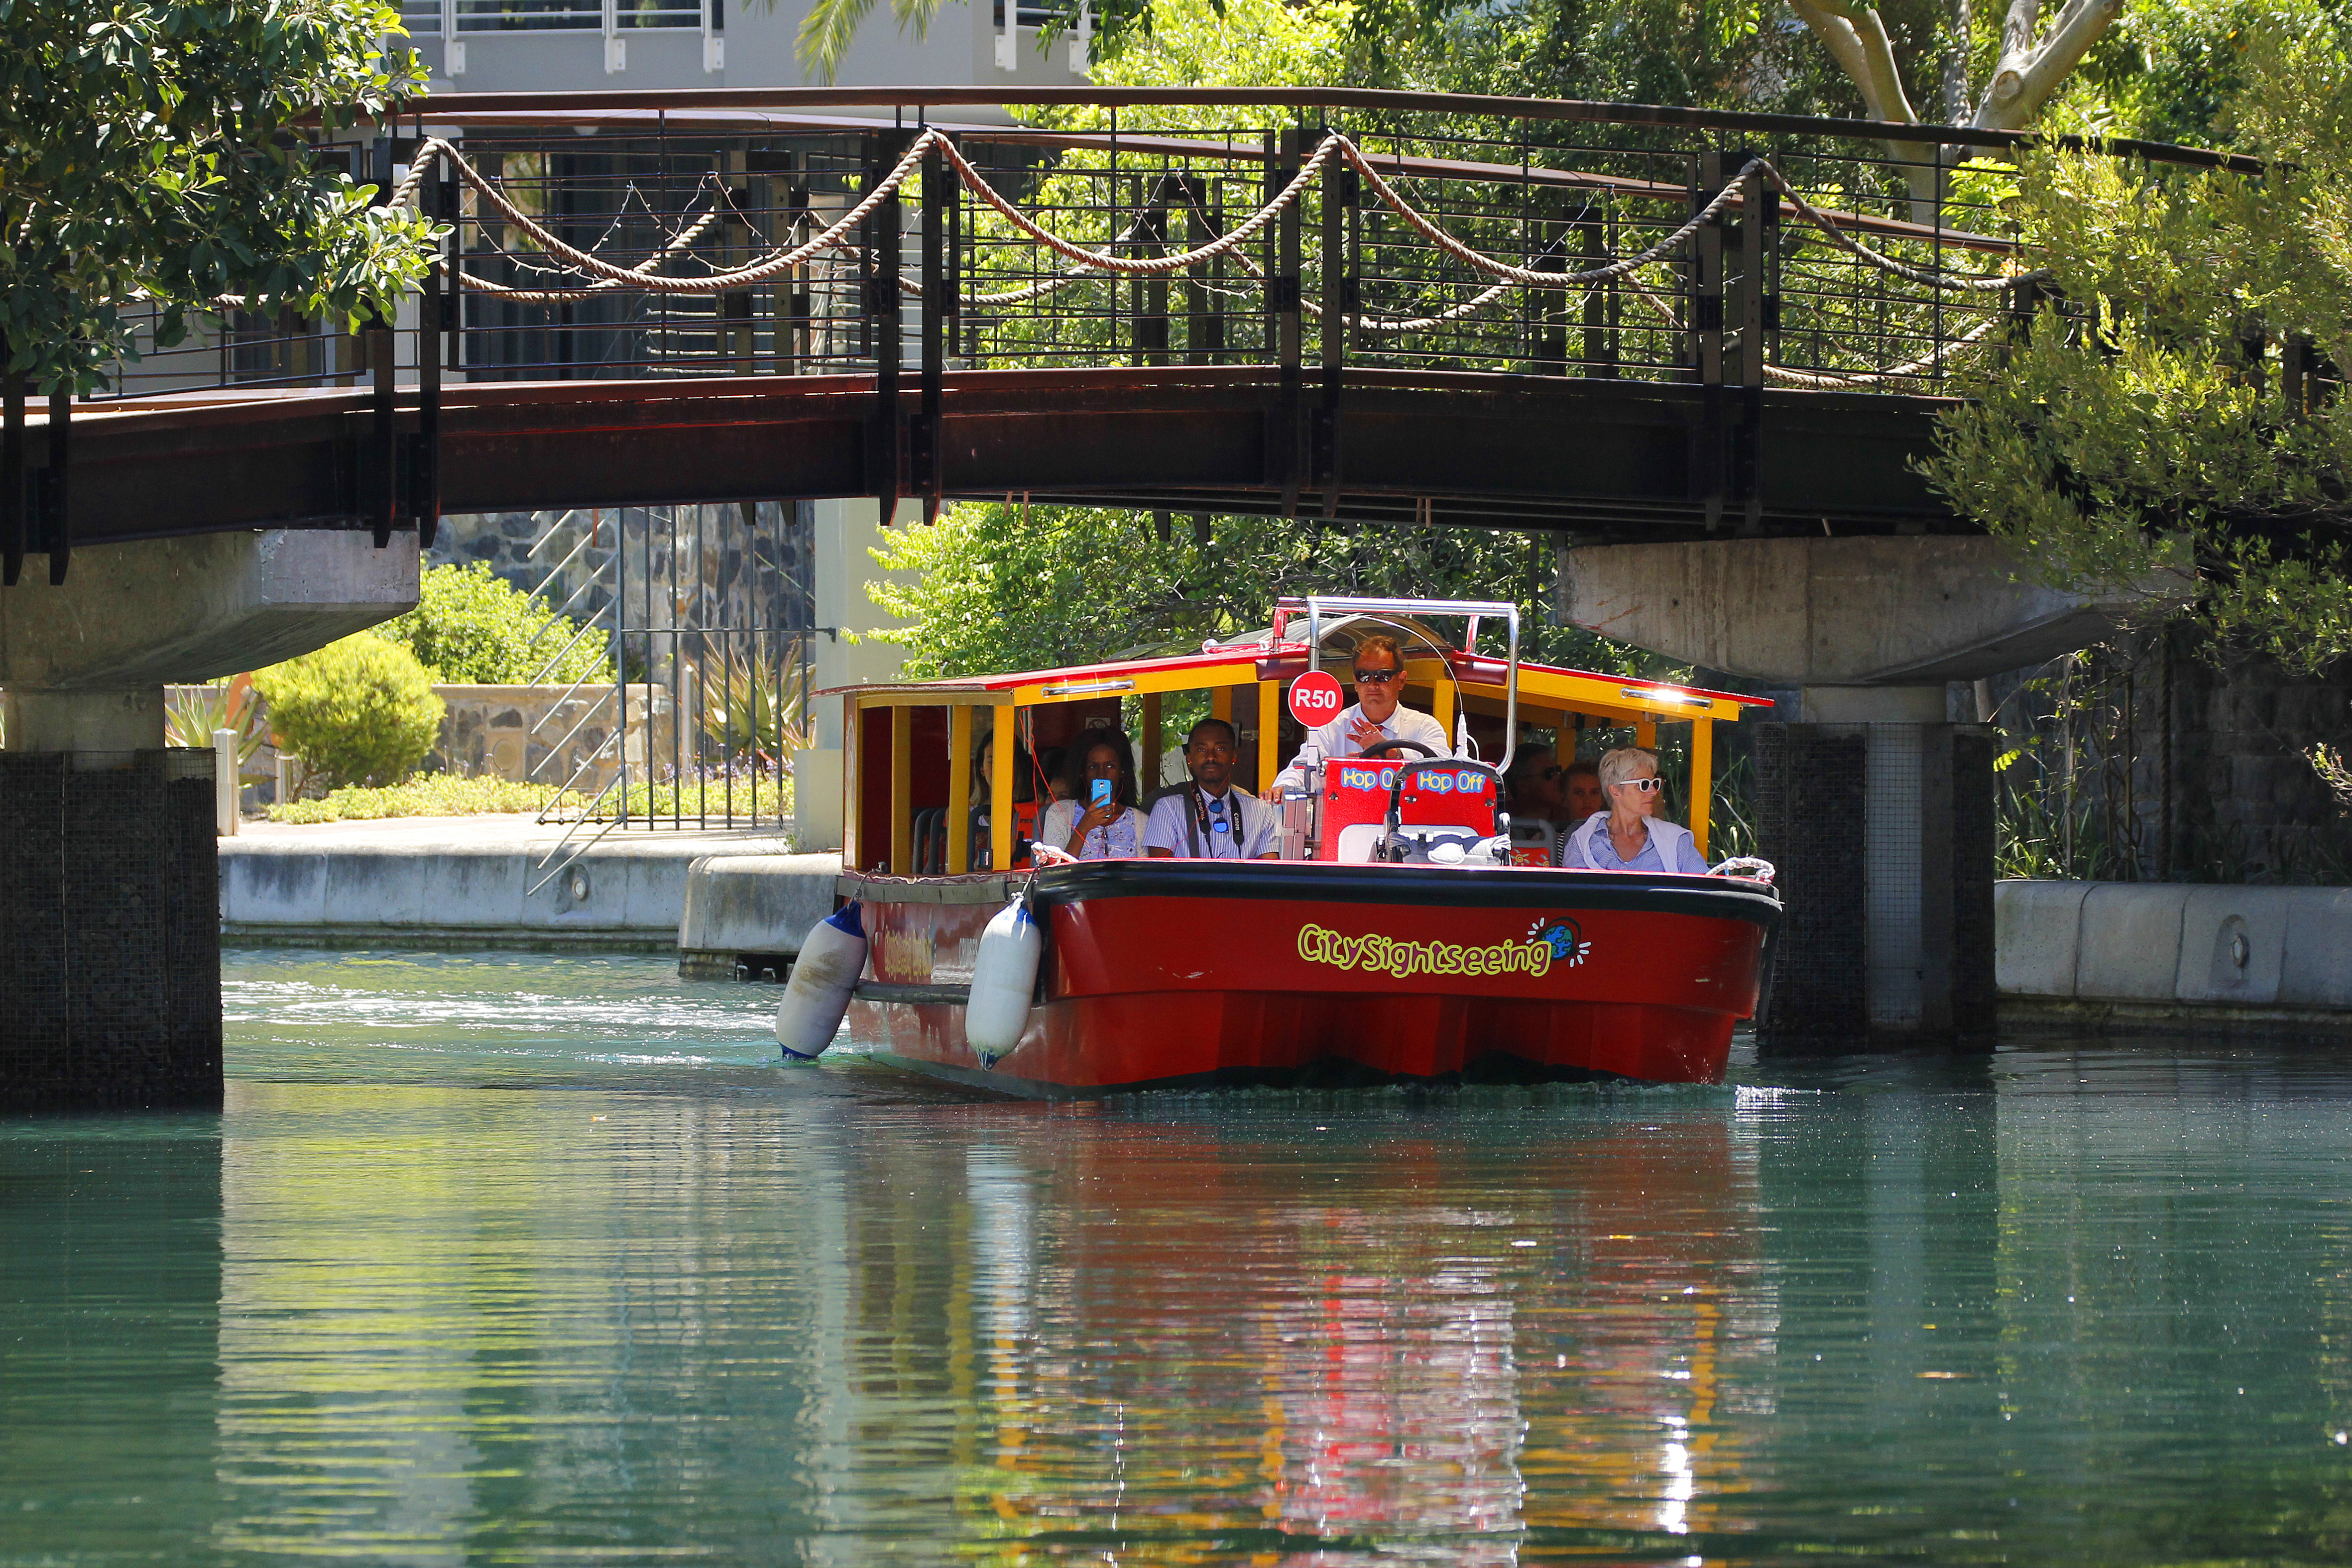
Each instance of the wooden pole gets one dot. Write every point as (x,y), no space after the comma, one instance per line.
(959,789)
(902,791)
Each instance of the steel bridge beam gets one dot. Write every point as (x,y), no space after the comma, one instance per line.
(1600,460)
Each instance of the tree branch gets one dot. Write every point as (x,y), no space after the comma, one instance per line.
(1857,40)
(2028,75)
(1855,37)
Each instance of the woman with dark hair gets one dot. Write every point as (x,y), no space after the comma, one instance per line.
(1092,823)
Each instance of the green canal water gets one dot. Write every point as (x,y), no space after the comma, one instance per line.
(521,1259)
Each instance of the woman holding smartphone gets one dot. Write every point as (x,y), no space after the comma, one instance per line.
(1099,821)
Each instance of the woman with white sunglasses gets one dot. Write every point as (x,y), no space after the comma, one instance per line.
(1630,835)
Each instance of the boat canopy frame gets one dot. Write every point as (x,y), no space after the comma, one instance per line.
(1567,699)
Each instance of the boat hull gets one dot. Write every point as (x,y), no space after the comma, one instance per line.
(1172,973)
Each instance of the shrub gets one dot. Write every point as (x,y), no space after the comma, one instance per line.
(471,628)
(360,711)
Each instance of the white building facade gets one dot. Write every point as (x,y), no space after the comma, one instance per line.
(555,46)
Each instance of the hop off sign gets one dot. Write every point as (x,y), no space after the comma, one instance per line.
(1315,699)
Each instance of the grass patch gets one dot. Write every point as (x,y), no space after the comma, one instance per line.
(426,795)
(451,795)
(698,796)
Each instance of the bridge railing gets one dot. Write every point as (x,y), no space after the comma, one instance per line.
(1307,233)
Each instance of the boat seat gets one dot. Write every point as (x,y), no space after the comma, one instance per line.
(1535,843)
(1358,840)
(930,835)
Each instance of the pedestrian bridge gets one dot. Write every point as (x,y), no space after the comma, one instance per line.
(1616,322)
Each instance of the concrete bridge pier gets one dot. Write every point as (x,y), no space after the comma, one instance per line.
(1877,811)
(110,883)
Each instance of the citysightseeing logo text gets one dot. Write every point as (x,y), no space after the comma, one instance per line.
(1560,943)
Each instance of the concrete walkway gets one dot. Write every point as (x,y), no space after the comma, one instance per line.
(482,880)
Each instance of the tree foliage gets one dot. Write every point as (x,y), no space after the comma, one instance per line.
(991,587)
(360,711)
(150,158)
(2146,425)
(473,628)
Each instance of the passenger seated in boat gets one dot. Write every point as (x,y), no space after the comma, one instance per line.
(1533,784)
(1377,715)
(1112,830)
(1209,818)
(1630,835)
(1025,802)
(1579,789)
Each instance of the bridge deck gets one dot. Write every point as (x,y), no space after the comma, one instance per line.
(1604,459)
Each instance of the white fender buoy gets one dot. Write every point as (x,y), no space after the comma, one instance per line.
(817,996)
(1003,978)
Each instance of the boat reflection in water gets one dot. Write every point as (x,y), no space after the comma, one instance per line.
(1929,1311)
(1306,1377)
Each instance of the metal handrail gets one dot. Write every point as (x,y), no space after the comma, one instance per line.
(450,108)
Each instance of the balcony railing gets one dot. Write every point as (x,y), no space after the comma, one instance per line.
(431,18)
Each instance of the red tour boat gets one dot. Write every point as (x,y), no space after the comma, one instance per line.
(1408,933)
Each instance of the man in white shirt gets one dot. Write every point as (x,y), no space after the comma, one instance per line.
(1208,818)
(1378,715)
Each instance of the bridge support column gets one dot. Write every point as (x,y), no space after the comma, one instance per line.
(1882,833)
(129,721)
(109,879)
(1877,812)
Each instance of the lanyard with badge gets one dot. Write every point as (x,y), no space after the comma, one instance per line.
(1226,821)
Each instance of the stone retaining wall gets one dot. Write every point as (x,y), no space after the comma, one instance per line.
(508,732)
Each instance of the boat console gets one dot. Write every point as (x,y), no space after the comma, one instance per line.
(1417,811)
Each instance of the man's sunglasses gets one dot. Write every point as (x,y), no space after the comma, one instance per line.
(1645,786)
(1376,677)
(1549,774)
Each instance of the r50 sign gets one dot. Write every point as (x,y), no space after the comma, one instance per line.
(1315,699)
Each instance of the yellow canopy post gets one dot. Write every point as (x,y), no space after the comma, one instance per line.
(902,791)
(1221,702)
(1153,742)
(1702,785)
(1269,732)
(853,727)
(999,789)
(1646,731)
(1441,706)
(959,788)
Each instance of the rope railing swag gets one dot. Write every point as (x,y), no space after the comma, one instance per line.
(837,236)
(757,272)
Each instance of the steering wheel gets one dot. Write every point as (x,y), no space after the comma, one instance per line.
(1385,746)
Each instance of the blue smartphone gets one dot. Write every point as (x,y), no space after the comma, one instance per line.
(1099,792)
